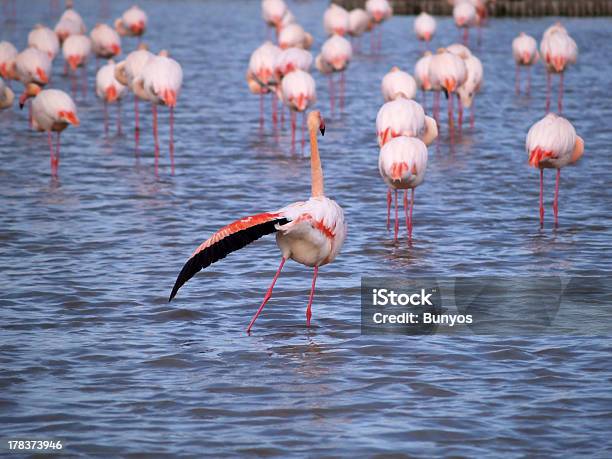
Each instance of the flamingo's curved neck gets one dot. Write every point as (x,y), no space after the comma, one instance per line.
(315,164)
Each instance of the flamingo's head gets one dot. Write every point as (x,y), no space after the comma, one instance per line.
(31,90)
(316,121)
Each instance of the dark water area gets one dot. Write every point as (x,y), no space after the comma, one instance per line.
(92,353)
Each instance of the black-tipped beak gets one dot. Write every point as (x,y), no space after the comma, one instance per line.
(322,129)
(21,104)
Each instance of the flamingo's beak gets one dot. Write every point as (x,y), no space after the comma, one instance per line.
(42,76)
(116,49)
(169,97)
(70,117)
(301,102)
(111,94)
(322,126)
(22,100)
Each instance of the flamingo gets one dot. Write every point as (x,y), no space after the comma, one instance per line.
(261,76)
(8,54)
(447,71)
(32,68)
(161,82)
(273,11)
(310,232)
(294,36)
(525,53)
(473,80)
(76,50)
(336,20)
(552,143)
(132,23)
(127,72)
(359,21)
(44,39)
(52,111)
(558,50)
(335,56)
(6,95)
(465,16)
(402,163)
(397,84)
(110,91)
(379,11)
(424,27)
(421,74)
(70,23)
(105,41)
(298,91)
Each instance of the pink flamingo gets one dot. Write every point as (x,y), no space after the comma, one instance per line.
(525,53)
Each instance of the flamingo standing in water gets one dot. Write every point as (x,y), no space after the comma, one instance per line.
(273,12)
(294,36)
(161,82)
(465,16)
(398,84)
(8,54)
(335,56)
(421,75)
(260,76)
(310,232)
(336,20)
(379,11)
(44,39)
(552,143)
(473,80)
(6,95)
(425,27)
(127,72)
(287,61)
(52,111)
(359,21)
(70,23)
(402,163)
(110,91)
(447,72)
(558,50)
(32,68)
(132,23)
(105,41)
(298,90)
(525,53)
(76,50)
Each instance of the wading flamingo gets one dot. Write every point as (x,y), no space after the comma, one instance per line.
(335,56)
(132,23)
(33,69)
(421,75)
(298,90)
(473,80)
(8,54)
(398,84)
(76,50)
(336,20)
(402,163)
(162,78)
(359,22)
(310,232)
(379,11)
(558,50)
(425,27)
(105,41)
(273,12)
(446,71)
(525,53)
(110,91)
(52,111)
(465,16)
(127,72)
(6,95)
(287,61)
(70,23)
(261,78)
(552,143)
(294,36)
(45,40)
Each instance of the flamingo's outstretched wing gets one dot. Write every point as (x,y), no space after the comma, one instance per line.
(228,239)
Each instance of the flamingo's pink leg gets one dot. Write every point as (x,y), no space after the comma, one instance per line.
(541,198)
(450,111)
(548,89)
(410,217)
(118,117)
(312,289)
(84,87)
(388,209)
(556,202)
(56,160)
(396,227)
(528,90)
(560,93)
(303,130)
(436,106)
(268,295)
(331,94)
(105,118)
(473,114)
(172,139)
(274,108)
(465,35)
(406,210)
(52,153)
(460,116)
(136,122)
(517,80)
(156,138)
(261,110)
(342,86)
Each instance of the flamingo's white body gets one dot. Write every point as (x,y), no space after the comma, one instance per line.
(76,50)
(110,90)
(424,27)
(398,84)
(404,117)
(33,69)
(473,79)
(292,59)
(552,143)
(336,20)
(465,16)
(273,12)
(44,39)
(335,56)
(260,74)
(162,78)
(70,23)
(421,72)
(105,41)
(525,53)
(558,51)
(310,232)
(379,10)
(52,111)
(402,163)
(133,22)
(298,91)
(6,95)
(293,35)
(359,21)
(447,72)
(8,54)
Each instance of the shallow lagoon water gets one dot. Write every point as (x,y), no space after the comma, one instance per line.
(93,354)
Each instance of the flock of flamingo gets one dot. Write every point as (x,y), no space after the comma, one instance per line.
(309,232)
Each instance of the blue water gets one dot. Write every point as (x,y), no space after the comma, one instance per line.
(92,354)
